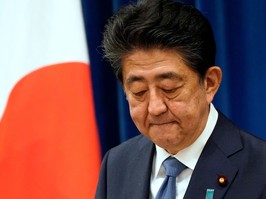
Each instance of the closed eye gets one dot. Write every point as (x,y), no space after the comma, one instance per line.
(169,90)
(140,93)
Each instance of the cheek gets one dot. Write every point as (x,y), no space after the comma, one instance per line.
(138,111)
(187,108)
(180,110)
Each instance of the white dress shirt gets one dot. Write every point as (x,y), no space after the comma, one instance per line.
(188,156)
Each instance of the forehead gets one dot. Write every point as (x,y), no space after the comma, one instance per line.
(153,64)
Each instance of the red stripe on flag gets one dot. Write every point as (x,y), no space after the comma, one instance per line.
(48,136)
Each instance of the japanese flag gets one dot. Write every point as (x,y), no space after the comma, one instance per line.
(49,146)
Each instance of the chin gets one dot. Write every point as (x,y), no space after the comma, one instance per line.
(167,142)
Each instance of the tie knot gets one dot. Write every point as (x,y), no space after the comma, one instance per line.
(173,167)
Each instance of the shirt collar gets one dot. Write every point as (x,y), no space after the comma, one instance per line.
(190,155)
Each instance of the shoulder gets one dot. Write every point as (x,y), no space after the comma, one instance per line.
(133,143)
(226,128)
(130,148)
(237,143)
(255,145)
(247,139)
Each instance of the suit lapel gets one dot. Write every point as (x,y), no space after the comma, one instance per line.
(139,176)
(214,162)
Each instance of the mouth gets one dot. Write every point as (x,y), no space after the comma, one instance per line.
(161,123)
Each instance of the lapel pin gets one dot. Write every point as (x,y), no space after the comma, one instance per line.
(222,181)
(209,194)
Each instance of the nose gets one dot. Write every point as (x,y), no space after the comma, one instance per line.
(156,105)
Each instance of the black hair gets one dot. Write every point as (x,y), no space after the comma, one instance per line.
(162,24)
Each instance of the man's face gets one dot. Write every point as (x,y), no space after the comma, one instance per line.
(167,101)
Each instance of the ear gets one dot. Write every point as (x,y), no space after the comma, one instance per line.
(212,82)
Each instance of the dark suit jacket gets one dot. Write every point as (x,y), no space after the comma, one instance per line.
(229,152)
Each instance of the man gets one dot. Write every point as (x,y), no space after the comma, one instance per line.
(163,52)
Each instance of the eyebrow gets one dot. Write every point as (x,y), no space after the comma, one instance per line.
(134,78)
(167,75)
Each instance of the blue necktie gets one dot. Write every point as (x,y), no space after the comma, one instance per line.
(173,168)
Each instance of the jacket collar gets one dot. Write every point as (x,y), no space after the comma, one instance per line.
(214,165)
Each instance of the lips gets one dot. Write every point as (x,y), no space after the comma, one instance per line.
(161,123)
